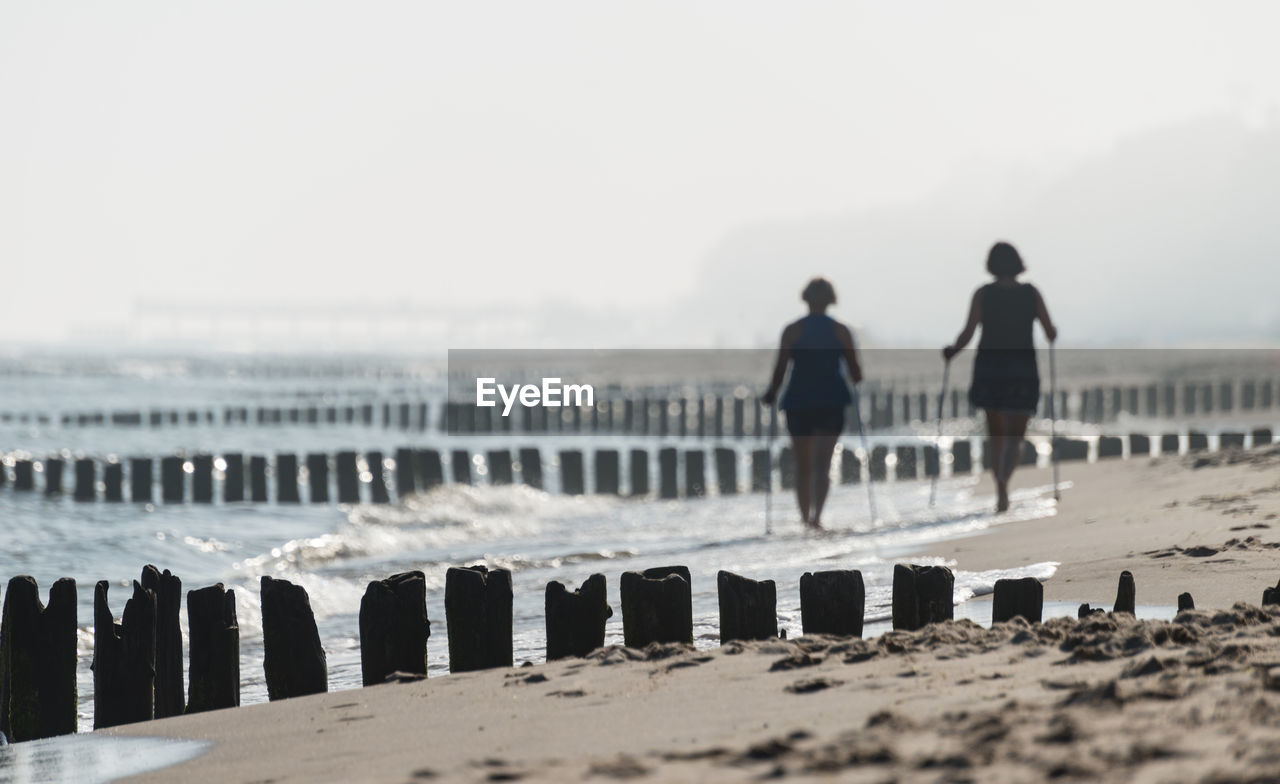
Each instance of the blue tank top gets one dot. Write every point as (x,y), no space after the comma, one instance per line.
(817,376)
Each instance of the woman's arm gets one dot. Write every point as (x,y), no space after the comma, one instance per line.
(1042,313)
(850,354)
(975,318)
(780,366)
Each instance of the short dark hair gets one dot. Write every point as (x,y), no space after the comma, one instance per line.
(1004,260)
(821,290)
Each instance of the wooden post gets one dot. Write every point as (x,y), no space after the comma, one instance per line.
(760,479)
(428,468)
(477,608)
(1139,444)
(173,480)
(1197,441)
(460,463)
(202,479)
(727,470)
(1126,594)
(24,475)
(404,472)
(657,606)
(124,659)
(906,467)
(1110,446)
(531,467)
(113,481)
(1185,602)
(962,457)
(1169,444)
(787,468)
(500,472)
(1261,436)
(318,477)
(258,479)
(1271,595)
(1024,597)
(667,487)
(876,468)
(850,467)
(608,480)
(394,627)
(53,476)
(922,595)
(832,602)
(37,661)
(695,473)
(287,479)
(140,480)
(169,687)
(932,467)
(215,649)
(294,661)
(378,483)
(571,472)
(348,478)
(639,469)
(85,479)
(748,608)
(575,620)
(739,418)
(1231,441)
(233,478)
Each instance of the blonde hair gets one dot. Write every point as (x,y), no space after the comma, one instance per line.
(819,292)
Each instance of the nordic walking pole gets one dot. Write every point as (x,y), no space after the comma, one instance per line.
(937,444)
(1053,421)
(857,414)
(768,463)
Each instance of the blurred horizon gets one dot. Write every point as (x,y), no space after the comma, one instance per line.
(404,177)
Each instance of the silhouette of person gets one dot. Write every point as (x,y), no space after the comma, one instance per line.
(1006,381)
(816,395)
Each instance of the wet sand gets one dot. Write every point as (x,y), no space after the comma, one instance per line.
(1108,698)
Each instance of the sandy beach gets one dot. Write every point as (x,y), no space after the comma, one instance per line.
(1108,698)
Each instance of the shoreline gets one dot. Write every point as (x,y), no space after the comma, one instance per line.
(1105,698)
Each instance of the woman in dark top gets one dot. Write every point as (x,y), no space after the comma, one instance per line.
(1006,382)
(817,394)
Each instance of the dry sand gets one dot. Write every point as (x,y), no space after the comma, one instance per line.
(1104,699)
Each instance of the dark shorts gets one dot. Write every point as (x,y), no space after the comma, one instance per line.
(815,421)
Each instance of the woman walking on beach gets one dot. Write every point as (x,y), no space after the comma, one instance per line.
(1006,381)
(816,395)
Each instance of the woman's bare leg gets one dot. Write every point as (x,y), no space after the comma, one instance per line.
(823,447)
(996,432)
(802,453)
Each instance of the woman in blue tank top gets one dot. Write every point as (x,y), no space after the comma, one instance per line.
(1006,382)
(820,352)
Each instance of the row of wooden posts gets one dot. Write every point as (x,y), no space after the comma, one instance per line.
(137,663)
(710,416)
(413,470)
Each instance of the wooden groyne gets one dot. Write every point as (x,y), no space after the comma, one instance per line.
(137,661)
(349,476)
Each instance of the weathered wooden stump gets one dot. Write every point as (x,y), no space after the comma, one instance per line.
(906,467)
(215,649)
(429,468)
(962,457)
(786,468)
(531,467)
(477,608)
(657,606)
(727,470)
(667,482)
(1261,436)
(169,686)
(571,472)
(1084,611)
(287,479)
(1185,602)
(53,475)
(1012,598)
(1231,441)
(378,482)
(294,660)
(394,627)
(748,608)
(124,659)
(922,595)
(37,661)
(258,479)
(202,479)
(460,463)
(877,468)
(608,472)
(575,620)
(832,602)
(404,472)
(173,480)
(1271,595)
(1110,446)
(1197,441)
(760,469)
(233,478)
(931,464)
(1125,594)
(639,471)
(141,478)
(1139,444)
(318,477)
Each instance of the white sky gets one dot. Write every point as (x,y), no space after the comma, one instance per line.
(481,153)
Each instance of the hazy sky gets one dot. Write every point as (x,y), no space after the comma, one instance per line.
(515,153)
